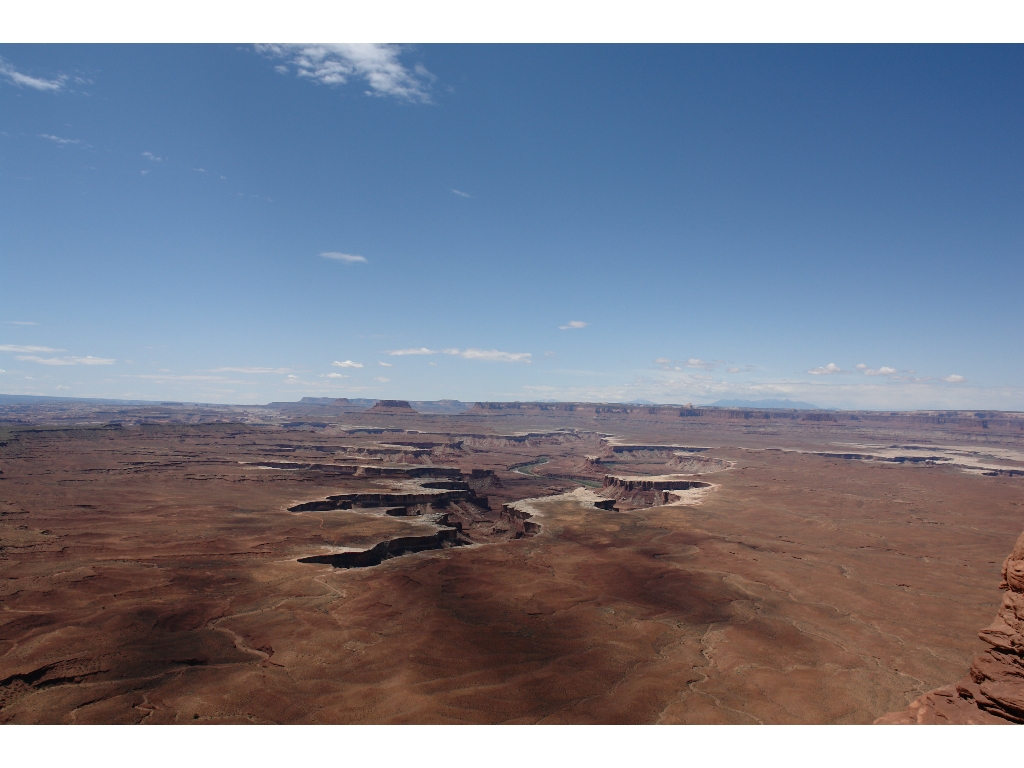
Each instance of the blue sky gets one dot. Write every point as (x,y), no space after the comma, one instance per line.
(834,224)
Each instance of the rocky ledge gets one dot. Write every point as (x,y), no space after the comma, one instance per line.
(993,691)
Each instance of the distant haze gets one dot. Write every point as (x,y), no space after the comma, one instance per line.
(765,404)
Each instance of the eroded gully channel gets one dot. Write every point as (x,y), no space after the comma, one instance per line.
(432,496)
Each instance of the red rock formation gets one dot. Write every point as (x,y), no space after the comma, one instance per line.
(993,691)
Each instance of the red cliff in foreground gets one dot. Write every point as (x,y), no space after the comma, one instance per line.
(993,691)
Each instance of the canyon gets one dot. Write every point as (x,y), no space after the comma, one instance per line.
(331,561)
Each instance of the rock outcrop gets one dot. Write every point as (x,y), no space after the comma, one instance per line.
(993,691)
(392,406)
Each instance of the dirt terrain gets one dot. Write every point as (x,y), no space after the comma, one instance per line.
(333,562)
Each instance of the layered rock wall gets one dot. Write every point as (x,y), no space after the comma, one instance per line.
(993,690)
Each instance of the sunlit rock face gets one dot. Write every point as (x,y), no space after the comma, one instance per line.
(993,690)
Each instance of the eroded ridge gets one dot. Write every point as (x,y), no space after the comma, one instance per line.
(650,490)
(993,690)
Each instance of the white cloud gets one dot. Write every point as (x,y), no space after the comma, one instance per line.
(151,156)
(432,363)
(61,386)
(826,370)
(347,364)
(336,64)
(420,351)
(860,366)
(333,376)
(90,360)
(67,360)
(23,348)
(167,377)
(2,370)
(573,324)
(883,371)
(954,379)
(250,370)
(348,258)
(491,354)
(386,365)
(22,80)
(381,379)
(59,140)
(19,322)
(45,360)
(460,193)
(694,362)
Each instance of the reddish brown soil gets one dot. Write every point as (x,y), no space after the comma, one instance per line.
(148,575)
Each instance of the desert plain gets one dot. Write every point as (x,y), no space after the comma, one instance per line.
(334,561)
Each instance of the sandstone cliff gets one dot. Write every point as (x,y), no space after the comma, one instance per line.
(993,691)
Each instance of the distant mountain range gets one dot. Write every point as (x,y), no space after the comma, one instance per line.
(768,404)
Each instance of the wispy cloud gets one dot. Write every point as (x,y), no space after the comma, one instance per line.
(954,379)
(44,360)
(19,322)
(420,351)
(826,370)
(22,80)
(348,258)
(150,156)
(250,370)
(335,64)
(26,348)
(169,377)
(491,354)
(333,376)
(381,379)
(460,193)
(694,362)
(744,369)
(67,360)
(470,354)
(347,364)
(386,365)
(573,324)
(59,140)
(883,371)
